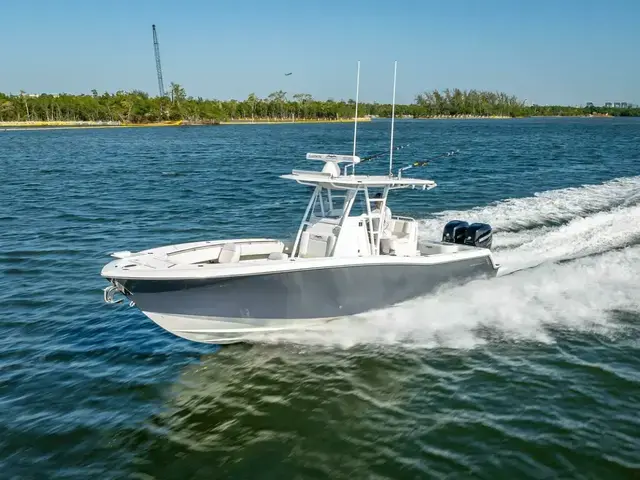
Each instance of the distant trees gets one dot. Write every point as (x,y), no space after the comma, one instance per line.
(178,94)
(564,111)
(472,102)
(138,107)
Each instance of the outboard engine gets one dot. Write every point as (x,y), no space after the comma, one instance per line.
(455,231)
(478,235)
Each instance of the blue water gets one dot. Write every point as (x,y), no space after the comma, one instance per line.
(531,375)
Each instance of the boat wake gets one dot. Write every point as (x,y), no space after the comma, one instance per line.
(570,260)
(557,225)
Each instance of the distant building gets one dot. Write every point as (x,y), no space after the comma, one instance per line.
(618,105)
(589,105)
(36,95)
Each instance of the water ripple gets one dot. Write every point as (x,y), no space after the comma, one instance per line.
(532,375)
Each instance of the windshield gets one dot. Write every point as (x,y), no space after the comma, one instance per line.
(329,204)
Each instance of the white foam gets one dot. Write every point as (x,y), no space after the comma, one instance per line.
(548,208)
(581,237)
(557,224)
(526,305)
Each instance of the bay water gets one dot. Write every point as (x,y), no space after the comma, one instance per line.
(534,374)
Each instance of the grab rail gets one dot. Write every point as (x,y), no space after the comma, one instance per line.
(399,217)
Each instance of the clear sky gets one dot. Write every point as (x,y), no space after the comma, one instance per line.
(545,51)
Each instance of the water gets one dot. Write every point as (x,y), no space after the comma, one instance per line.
(531,375)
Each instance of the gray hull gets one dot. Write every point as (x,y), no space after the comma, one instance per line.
(222,310)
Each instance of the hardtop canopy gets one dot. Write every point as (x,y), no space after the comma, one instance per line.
(349,182)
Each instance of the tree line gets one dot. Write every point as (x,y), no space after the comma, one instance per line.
(139,107)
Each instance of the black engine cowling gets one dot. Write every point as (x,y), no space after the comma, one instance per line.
(455,231)
(478,235)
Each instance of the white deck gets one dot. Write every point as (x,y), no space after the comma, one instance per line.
(200,260)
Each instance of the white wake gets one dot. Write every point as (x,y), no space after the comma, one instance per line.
(596,227)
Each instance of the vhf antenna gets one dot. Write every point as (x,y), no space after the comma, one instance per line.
(355,123)
(393,117)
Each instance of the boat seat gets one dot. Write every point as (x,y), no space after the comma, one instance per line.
(316,245)
(230,253)
(375,224)
(277,256)
(401,229)
(399,243)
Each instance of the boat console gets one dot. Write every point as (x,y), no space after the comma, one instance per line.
(329,227)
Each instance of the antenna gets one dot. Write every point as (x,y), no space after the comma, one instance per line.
(355,123)
(156,48)
(393,117)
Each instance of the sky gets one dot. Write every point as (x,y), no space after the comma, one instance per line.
(565,52)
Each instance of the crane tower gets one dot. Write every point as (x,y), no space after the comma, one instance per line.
(156,48)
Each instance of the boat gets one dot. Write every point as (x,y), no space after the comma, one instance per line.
(350,256)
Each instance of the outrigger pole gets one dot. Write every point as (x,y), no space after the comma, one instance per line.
(379,154)
(424,163)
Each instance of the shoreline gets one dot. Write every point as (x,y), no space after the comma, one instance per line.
(507,117)
(465,117)
(291,122)
(69,125)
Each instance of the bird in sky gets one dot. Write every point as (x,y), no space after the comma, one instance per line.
(287,74)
